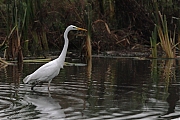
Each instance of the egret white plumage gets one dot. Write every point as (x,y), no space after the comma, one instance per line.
(51,69)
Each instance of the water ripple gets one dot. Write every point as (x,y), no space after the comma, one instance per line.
(116,89)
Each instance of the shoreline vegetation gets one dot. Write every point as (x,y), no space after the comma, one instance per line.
(33,28)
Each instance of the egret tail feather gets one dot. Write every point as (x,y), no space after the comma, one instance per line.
(26,80)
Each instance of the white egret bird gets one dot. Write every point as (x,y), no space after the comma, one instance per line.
(51,69)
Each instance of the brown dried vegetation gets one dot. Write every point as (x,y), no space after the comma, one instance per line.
(115,24)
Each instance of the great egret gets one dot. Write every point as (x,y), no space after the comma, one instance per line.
(51,69)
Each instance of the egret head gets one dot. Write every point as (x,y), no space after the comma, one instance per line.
(72,27)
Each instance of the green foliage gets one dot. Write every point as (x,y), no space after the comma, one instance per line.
(40,23)
(26,16)
(166,32)
(153,40)
(167,42)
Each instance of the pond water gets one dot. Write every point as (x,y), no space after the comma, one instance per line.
(107,88)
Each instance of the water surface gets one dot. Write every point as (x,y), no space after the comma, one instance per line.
(107,88)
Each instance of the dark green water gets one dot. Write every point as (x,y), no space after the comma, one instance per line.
(108,88)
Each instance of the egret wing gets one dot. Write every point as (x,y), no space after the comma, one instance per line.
(44,73)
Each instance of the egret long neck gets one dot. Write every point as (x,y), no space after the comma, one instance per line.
(63,53)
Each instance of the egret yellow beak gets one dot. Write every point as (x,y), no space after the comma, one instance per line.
(81,29)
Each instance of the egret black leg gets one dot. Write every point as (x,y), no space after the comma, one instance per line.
(48,86)
(34,85)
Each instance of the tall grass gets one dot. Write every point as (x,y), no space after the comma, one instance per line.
(15,26)
(167,41)
(178,32)
(34,30)
(88,40)
(20,20)
(153,40)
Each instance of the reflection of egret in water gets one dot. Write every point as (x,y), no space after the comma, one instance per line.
(172,98)
(46,105)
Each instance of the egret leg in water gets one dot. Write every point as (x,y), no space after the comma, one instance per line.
(32,87)
(34,84)
(49,84)
(51,69)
